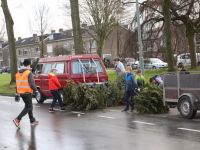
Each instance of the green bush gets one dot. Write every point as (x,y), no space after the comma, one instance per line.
(81,97)
(150,100)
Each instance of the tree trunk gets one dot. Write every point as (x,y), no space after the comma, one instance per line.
(100,47)
(192,46)
(11,39)
(168,34)
(42,50)
(76,27)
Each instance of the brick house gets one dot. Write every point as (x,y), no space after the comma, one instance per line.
(62,43)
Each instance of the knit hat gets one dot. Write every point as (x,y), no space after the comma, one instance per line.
(26,62)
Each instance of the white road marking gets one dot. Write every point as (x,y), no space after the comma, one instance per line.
(144,123)
(107,117)
(189,129)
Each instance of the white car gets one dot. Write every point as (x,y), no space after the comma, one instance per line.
(154,63)
(185,59)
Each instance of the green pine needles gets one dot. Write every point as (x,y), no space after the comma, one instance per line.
(150,100)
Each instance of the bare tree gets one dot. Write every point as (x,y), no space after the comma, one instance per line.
(11,39)
(101,16)
(61,49)
(41,23)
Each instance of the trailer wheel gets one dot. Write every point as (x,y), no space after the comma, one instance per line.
(186,108)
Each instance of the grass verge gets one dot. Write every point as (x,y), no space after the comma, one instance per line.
(5,86)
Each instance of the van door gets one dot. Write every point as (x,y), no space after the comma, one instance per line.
(37,73)
(62,73)
(45,80)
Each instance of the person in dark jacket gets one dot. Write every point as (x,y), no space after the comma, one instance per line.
(54,85)
(25,86)
(130,86)
(182,69)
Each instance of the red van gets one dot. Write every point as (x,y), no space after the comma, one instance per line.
(87,69)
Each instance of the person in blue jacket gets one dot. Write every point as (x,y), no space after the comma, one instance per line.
(130,86)
(156,80)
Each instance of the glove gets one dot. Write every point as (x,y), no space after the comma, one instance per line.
(61,88)
(35,94)
(17,99)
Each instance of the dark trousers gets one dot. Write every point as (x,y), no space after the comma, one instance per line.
(27,98)
(129,99)
(56,96)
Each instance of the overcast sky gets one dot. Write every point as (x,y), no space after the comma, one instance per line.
(22,10)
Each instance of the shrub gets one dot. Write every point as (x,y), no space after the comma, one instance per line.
(150,100)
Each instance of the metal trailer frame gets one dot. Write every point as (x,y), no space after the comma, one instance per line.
(176,85)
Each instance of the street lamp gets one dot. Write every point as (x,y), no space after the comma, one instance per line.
(139,39)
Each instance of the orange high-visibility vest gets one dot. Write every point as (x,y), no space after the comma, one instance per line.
(23,85)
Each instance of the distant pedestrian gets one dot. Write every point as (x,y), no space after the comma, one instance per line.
(25,86)
(156,80)
(54,85)
(119,66)
(130,86)
(106,63)
(182,69)
(140,80)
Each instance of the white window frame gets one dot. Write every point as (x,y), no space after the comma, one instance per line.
(20,52)
(91,41)
(49,48)
(26,52)
(36,52)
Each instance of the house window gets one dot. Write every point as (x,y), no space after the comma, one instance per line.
(19,52)
(92,44)
(65,46)
(36,50)
(72,46)
(1,63)
(25,52)
(49,49)
(51,37)
(0,55)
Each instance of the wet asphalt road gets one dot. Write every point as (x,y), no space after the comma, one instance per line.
(108,129)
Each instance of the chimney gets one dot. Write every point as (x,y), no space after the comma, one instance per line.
(60,30)
(53,31)
(19,38)
(34,35)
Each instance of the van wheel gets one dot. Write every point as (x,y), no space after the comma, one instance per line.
(186,108)
(153,67)
(40,98)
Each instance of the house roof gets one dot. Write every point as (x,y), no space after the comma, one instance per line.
(4,45)
(29,41)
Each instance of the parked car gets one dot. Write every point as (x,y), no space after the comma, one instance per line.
(154,63)
(5,69)
(87,69)
(130,62)
(9,70)
(1,71)
(185,59)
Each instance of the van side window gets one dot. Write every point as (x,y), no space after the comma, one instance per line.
(76,67)
(48,67)
(39,69)
(60,67)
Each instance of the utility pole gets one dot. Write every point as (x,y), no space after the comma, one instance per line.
(139,39)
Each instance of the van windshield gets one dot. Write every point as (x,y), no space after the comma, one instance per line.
(89,67)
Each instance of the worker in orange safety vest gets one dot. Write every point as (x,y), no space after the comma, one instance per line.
(25,87)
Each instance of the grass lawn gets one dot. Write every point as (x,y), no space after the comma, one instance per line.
(5,87)
(112,75)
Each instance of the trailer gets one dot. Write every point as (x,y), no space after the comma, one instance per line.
(182,89)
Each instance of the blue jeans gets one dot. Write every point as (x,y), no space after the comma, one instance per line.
(129,95)
(56,96)
(27,98)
